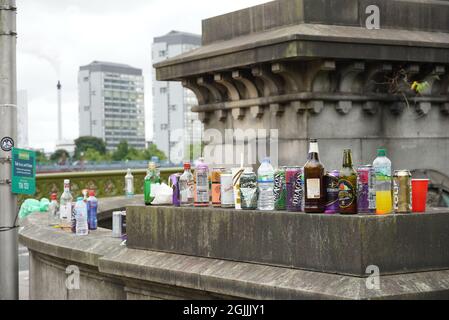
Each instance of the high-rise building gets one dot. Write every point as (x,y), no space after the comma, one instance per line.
(174,125)
(111,103)
(22,119)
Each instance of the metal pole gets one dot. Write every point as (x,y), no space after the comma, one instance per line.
(9,265)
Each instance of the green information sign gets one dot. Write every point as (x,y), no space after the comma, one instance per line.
(23,171)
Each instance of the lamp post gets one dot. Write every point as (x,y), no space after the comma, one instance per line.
(9,275)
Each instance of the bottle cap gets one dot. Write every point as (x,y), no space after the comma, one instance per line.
(66,181)
(53,196)
(91,193)
(381,152)
(79,199)
(187,166)
(249,170)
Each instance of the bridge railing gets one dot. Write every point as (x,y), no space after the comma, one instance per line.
(105,183)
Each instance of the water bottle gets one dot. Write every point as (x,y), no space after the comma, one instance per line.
(265,180)
(382,169)
(82,228)
(92,207)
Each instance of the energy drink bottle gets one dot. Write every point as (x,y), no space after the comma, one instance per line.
(295,189)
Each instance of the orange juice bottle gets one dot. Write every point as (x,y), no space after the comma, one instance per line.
(382,169)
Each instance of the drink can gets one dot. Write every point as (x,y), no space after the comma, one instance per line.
(226,190)
(248,190)
(366,193)
(236,175)
(201,189)
(402,191)
(280,189)
(215,186)
(174,182)
(295,189)
(117,224)
(331,181)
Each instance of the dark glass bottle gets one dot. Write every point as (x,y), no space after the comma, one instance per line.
(347,186)
(314,187)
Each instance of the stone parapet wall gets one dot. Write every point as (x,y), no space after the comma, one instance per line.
(109,270)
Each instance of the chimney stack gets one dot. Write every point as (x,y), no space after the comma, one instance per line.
(59,86)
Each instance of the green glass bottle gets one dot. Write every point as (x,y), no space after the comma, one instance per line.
(152,178)
(347,194)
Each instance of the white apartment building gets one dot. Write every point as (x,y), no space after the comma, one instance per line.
(111,103)
(174,125)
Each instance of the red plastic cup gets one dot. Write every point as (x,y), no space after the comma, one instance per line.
(419,194)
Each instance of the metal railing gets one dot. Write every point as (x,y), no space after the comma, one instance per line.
(106,183)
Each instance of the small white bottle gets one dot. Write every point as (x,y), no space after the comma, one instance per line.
(53,211)
(129,184)
(65,209)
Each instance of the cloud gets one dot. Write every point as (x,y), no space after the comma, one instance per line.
(57,37)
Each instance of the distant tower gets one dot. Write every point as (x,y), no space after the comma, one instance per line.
(59,86)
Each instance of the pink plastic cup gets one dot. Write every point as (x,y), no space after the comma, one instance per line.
(420,188)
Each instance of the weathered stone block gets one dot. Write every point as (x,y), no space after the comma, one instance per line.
(326,243)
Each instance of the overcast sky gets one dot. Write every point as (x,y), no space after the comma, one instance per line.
(55,37)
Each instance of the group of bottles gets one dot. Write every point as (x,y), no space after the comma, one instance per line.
(309,192)
(315,185)
(79,216)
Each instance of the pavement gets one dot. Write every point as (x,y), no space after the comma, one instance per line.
(23,273)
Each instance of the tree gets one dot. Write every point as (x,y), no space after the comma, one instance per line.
(153,151)
(41,158)
(60,156)
(95,156)
(195,150)
(82,144)
(122,151)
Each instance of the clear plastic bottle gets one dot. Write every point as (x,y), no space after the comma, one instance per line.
(65,209)
(202,194)
(129,184)
(82,228)
(382,169)
(265,180)
(53,210)
(186,186)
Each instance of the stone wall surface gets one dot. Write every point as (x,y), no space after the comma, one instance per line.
(109,270)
